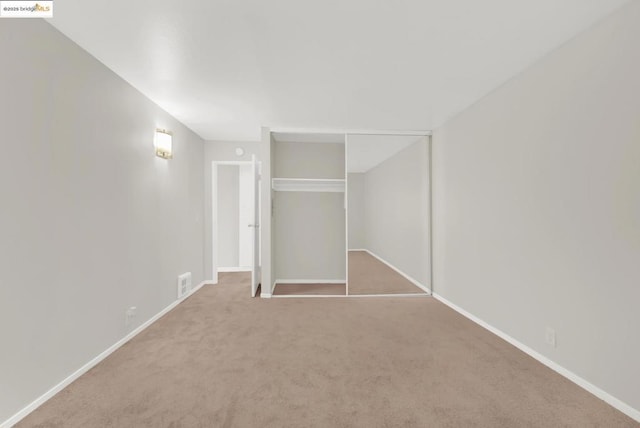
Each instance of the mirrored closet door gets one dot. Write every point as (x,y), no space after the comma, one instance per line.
(387,214)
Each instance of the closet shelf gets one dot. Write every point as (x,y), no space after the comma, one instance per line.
(307,185)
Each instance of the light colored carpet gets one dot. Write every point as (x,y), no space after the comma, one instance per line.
(310,289)
(222,359)
(368,275)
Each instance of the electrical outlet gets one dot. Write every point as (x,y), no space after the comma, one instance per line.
(184,284)
(130,314)
(550,337)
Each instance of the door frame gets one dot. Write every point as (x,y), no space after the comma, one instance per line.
(214,211)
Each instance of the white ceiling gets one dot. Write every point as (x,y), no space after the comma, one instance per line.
(367,151)
(225,68)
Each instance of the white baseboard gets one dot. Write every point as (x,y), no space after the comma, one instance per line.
(309,281)
(350,296)
(292,296)
(306,296)
(235,269)
(413,281)
(356,249)
(88,366)
(267,295)
(589,387)
(421,295)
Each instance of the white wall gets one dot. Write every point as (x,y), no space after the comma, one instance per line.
(267,222)
(537,206)
(220,151)
(309,230)
(228,215)
(91,221)
(310,235)
(356,216)
(396,205)
(309,160)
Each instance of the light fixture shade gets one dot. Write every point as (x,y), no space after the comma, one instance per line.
(163,144)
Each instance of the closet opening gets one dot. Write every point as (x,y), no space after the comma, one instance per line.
(309,241)
(350,213)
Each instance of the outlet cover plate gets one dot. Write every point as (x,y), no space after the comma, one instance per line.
(550,337)
(184,284)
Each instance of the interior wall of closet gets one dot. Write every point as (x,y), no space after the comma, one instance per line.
(309,233)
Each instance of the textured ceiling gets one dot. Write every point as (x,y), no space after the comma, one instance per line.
(226,68)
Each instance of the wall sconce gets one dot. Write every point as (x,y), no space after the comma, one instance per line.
(162,143)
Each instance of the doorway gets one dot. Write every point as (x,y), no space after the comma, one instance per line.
(235,214)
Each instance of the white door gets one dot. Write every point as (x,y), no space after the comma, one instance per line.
(246,201)
(255,229)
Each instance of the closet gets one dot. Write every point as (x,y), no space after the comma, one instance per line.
(308,210)
(312,244)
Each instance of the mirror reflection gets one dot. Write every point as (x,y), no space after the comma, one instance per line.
(388,214)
